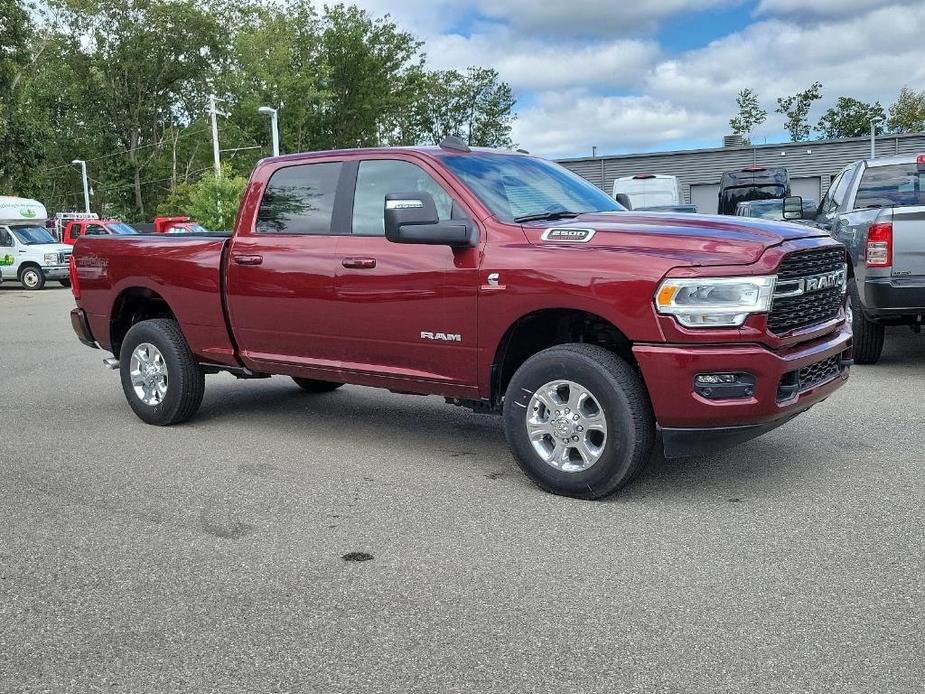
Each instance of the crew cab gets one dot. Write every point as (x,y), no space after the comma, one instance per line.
(73,230)
(497,280)
(877,209)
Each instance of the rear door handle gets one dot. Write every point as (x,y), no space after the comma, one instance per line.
(240,259)
(359,263)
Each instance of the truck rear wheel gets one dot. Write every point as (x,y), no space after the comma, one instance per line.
(868,336)
(310,385)
(32,278)
(578,420)
(161,379)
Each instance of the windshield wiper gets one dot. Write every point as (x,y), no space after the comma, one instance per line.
(536,216)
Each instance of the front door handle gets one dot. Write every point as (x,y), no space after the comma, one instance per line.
(359,263)
(241,259)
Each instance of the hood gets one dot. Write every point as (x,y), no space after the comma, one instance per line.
(49,248)
(691,239)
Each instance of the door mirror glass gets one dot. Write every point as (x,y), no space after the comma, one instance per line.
(412,218)
(793,207)
(624,200)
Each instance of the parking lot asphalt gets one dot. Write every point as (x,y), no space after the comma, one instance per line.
(209,556)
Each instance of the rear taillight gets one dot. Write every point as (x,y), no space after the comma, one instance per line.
(920,159)
(880,245)
(75,285)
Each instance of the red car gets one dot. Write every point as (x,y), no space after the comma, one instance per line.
(73,230)
(495,279)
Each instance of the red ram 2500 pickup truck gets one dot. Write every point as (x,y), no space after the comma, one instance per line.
(495,279)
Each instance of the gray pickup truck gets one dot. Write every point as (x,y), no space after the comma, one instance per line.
(877,209)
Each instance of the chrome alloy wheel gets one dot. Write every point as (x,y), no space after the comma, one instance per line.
(566,426)
(148,372)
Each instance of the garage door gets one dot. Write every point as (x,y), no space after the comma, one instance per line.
(706,197)
(806,187)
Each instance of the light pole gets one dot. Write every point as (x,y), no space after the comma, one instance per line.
(874,122)
(274,126)
(83,172)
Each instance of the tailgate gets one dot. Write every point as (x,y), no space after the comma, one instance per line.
(909,241)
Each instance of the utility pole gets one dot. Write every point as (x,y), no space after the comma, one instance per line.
(83,171)
(274,127)
(213,114)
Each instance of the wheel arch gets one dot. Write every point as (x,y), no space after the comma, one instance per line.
(548,327)
(25,266)
(132,306)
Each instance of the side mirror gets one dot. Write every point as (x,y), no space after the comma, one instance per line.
(793,207)
(412,218)
(624,200)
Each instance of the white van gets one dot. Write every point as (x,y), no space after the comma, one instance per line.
(649,190)
(31,252)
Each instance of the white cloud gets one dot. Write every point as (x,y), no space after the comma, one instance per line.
(692,96)
(532,64)
(825,8)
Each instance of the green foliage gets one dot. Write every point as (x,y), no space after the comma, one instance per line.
(907,115)
(125,86)
(212,201)
(796,109)
(849,118)
(750,114)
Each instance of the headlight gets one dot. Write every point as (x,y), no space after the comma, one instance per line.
(51,258)
(714,302)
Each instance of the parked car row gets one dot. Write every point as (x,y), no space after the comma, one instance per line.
(34,251)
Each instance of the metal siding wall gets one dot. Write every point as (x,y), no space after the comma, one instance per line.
(802,159)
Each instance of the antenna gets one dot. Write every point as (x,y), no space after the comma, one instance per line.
(453,143)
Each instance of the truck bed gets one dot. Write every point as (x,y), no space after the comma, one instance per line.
(184,270)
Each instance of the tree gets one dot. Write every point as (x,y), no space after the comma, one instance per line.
(849,118)
(475,106)
(907,115)
(750,114)
(145,59)
(212,201)
(796,109)
(15,30)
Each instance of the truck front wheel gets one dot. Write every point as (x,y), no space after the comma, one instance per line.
(578,420)
(162,381)
(32,278)
(868,336)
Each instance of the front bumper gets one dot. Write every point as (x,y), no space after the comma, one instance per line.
(56,272)
(669,372)
(889,297)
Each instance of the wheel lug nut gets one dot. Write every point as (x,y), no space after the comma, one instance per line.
(558,413)
(574,438)
(576,417)
(580,428)
(567,411)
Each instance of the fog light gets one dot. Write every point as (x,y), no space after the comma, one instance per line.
(723,386)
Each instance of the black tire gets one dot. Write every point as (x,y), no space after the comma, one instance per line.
(185,378)
(32,278)
(65,283)
(310,385)
(626,408)
(868,336)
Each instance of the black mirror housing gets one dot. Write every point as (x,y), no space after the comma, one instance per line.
(413,218)
(624,200)
(793,207)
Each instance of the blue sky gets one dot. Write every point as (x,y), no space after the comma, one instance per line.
(663,74)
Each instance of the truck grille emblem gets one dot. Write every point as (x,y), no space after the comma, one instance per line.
(813,283)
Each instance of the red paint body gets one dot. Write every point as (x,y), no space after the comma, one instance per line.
(73,230)
(352,308)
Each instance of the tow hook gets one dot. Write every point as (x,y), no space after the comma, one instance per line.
(111,363)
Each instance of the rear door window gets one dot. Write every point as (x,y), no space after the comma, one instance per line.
(299,200)
(896,185)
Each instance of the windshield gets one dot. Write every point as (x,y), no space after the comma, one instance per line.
(514,186)
(33,235)
(896,185)
(122,228)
